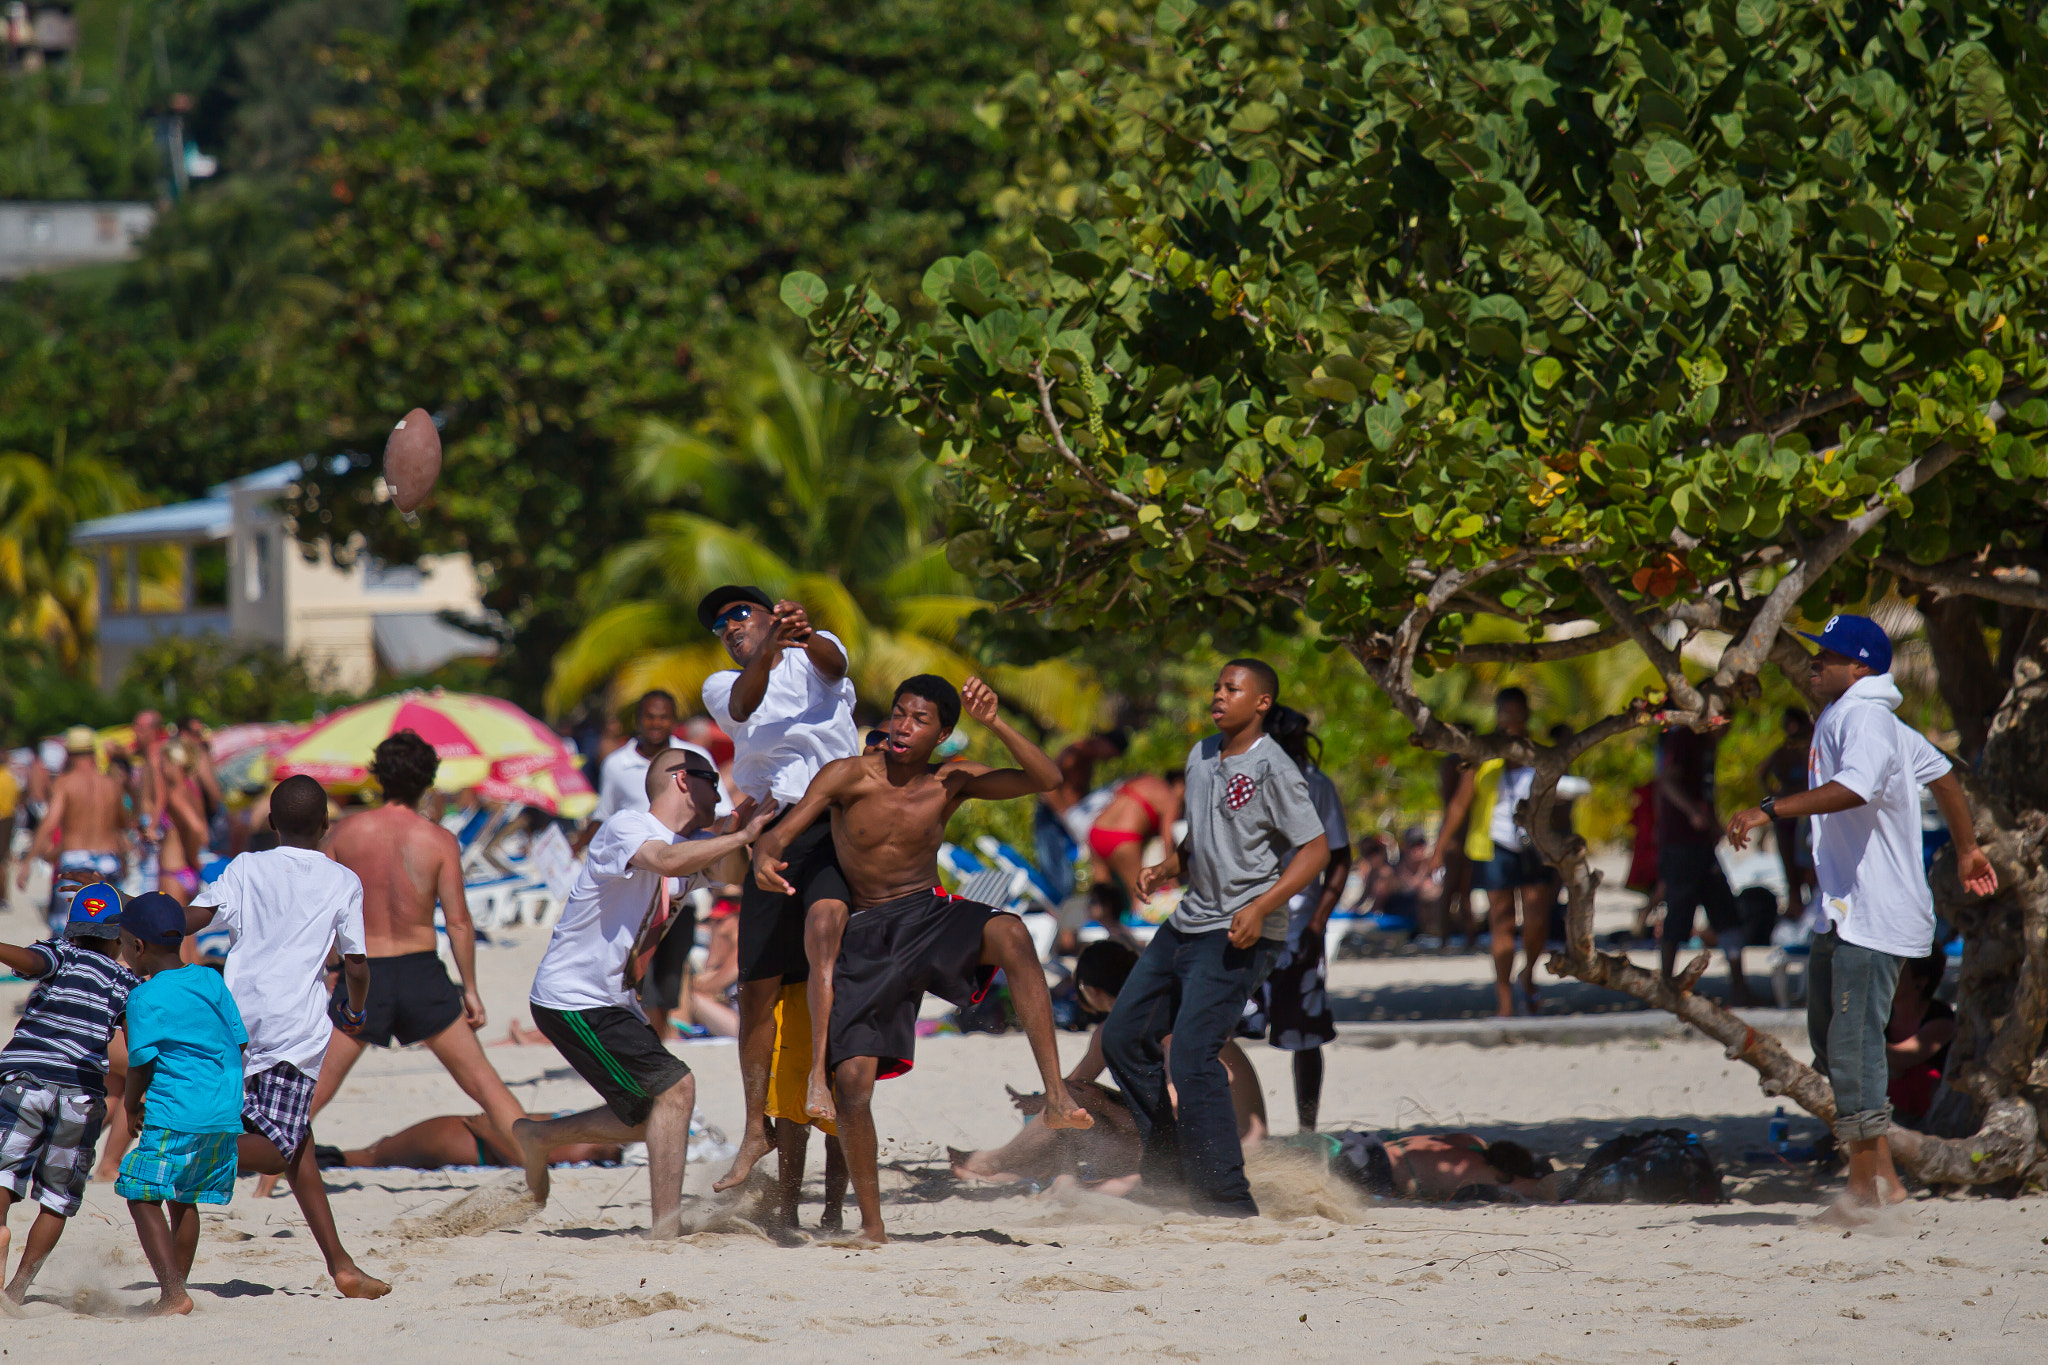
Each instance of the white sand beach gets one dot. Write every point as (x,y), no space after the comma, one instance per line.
(980,1273)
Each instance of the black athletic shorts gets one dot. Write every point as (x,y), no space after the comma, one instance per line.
(617,1052)
(411,999)
(771,925)
(889,957)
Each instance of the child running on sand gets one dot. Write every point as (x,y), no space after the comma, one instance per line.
(906,936)
(1247,806)
(184,1095)
(284,908)
(53,1072)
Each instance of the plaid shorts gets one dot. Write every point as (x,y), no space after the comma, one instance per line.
(189,1168)
(278,1104)
(47,1135)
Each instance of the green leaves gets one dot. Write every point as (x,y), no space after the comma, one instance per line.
(1403,287)
(802,292)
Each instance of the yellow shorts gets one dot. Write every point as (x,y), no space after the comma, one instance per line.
(790,1073)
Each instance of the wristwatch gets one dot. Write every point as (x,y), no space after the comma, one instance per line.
(1769,807)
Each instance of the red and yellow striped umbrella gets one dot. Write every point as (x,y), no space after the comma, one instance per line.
(484,742)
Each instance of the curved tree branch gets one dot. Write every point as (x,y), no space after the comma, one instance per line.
(2018,587)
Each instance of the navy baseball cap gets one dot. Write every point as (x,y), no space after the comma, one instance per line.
(95,913)
(1857,638)
(154,918)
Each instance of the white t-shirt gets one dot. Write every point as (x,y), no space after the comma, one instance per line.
(1873,884)
(622,778)
(586,958)
(802,723)
(1515,786)
(283,909)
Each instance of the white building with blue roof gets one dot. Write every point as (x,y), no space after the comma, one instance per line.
(245,577)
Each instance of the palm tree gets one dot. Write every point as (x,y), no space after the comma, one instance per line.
(806,493)
(48,589)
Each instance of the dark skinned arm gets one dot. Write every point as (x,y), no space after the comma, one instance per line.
(1334,877)
(131,1098)
(21,961)
(1294,879)
(355,969)
(1454,815)
(1035,771)
(834,778)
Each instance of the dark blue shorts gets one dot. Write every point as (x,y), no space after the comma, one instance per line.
(1510,868)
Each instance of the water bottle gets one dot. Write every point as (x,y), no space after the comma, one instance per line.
(1780,1132)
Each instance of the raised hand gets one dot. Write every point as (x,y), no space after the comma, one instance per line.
(978,699)
(792,623)
(737,818)
(753,821)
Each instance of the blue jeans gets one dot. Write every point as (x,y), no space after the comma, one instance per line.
(1192,986)
(1848,1003)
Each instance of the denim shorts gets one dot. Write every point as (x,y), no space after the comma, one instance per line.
(1509,868)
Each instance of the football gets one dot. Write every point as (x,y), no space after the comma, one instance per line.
(412,459)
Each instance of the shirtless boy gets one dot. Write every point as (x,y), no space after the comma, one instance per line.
(87,810)
(889,812)
(407,863)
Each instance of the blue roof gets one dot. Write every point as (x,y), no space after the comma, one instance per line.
(209,518)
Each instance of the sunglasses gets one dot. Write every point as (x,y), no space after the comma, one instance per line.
(701,774)
(728,616)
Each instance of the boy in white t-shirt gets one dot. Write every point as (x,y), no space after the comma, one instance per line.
(585,999)
(1867,768)
(284,908)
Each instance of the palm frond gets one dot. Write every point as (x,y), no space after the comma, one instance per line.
(831,607)
(679,670)
(932,615)
(1060,696)
(925,571)
(608,643)
(667,462)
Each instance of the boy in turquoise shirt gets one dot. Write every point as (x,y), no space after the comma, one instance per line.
(184,1095)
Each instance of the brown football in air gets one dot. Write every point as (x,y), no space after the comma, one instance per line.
(412,459)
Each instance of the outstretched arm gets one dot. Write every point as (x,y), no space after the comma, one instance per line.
(21,961)
(835,777)
(1035,771)
(691,856)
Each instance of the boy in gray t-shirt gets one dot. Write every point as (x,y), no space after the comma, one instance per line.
(1247,805)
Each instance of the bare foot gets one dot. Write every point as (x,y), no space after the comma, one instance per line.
(818,1099)
(533,1155)
(832,1221)
(1062,1112)
(865,1238)
(1891,1191)
(964,1169)
(753,1147)
(171,1308)
(354,1284)
(266,1186)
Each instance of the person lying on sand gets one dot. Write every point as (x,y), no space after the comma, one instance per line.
(1444,1166)
(459,1140)
(1110,1149)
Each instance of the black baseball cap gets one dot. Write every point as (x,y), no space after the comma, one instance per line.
(718,599)
(154,918)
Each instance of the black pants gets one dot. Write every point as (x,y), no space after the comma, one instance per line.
(1693,878)
(1192,986)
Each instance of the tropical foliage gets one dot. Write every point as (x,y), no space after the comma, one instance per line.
(1678,317)
(796,487)
(49,590)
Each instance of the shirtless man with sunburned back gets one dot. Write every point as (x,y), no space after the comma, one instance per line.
(88,812)
(889,812)
(406,863)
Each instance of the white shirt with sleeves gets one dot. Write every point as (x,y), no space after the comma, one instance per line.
(1873,884)
(804,721)
(284,908)
(584,966)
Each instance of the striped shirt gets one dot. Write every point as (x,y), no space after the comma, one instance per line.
(77,1004)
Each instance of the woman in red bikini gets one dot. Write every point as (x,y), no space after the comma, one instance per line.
(1145,805)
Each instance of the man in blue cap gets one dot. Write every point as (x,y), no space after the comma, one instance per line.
(53,1071)
(1867,768)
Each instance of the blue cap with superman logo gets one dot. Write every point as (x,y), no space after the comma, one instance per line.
(95,913)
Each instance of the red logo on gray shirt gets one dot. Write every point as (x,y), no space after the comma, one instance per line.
(1239,790)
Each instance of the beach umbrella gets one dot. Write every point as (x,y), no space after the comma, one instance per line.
(230,740)
(555,784)
(480,740)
